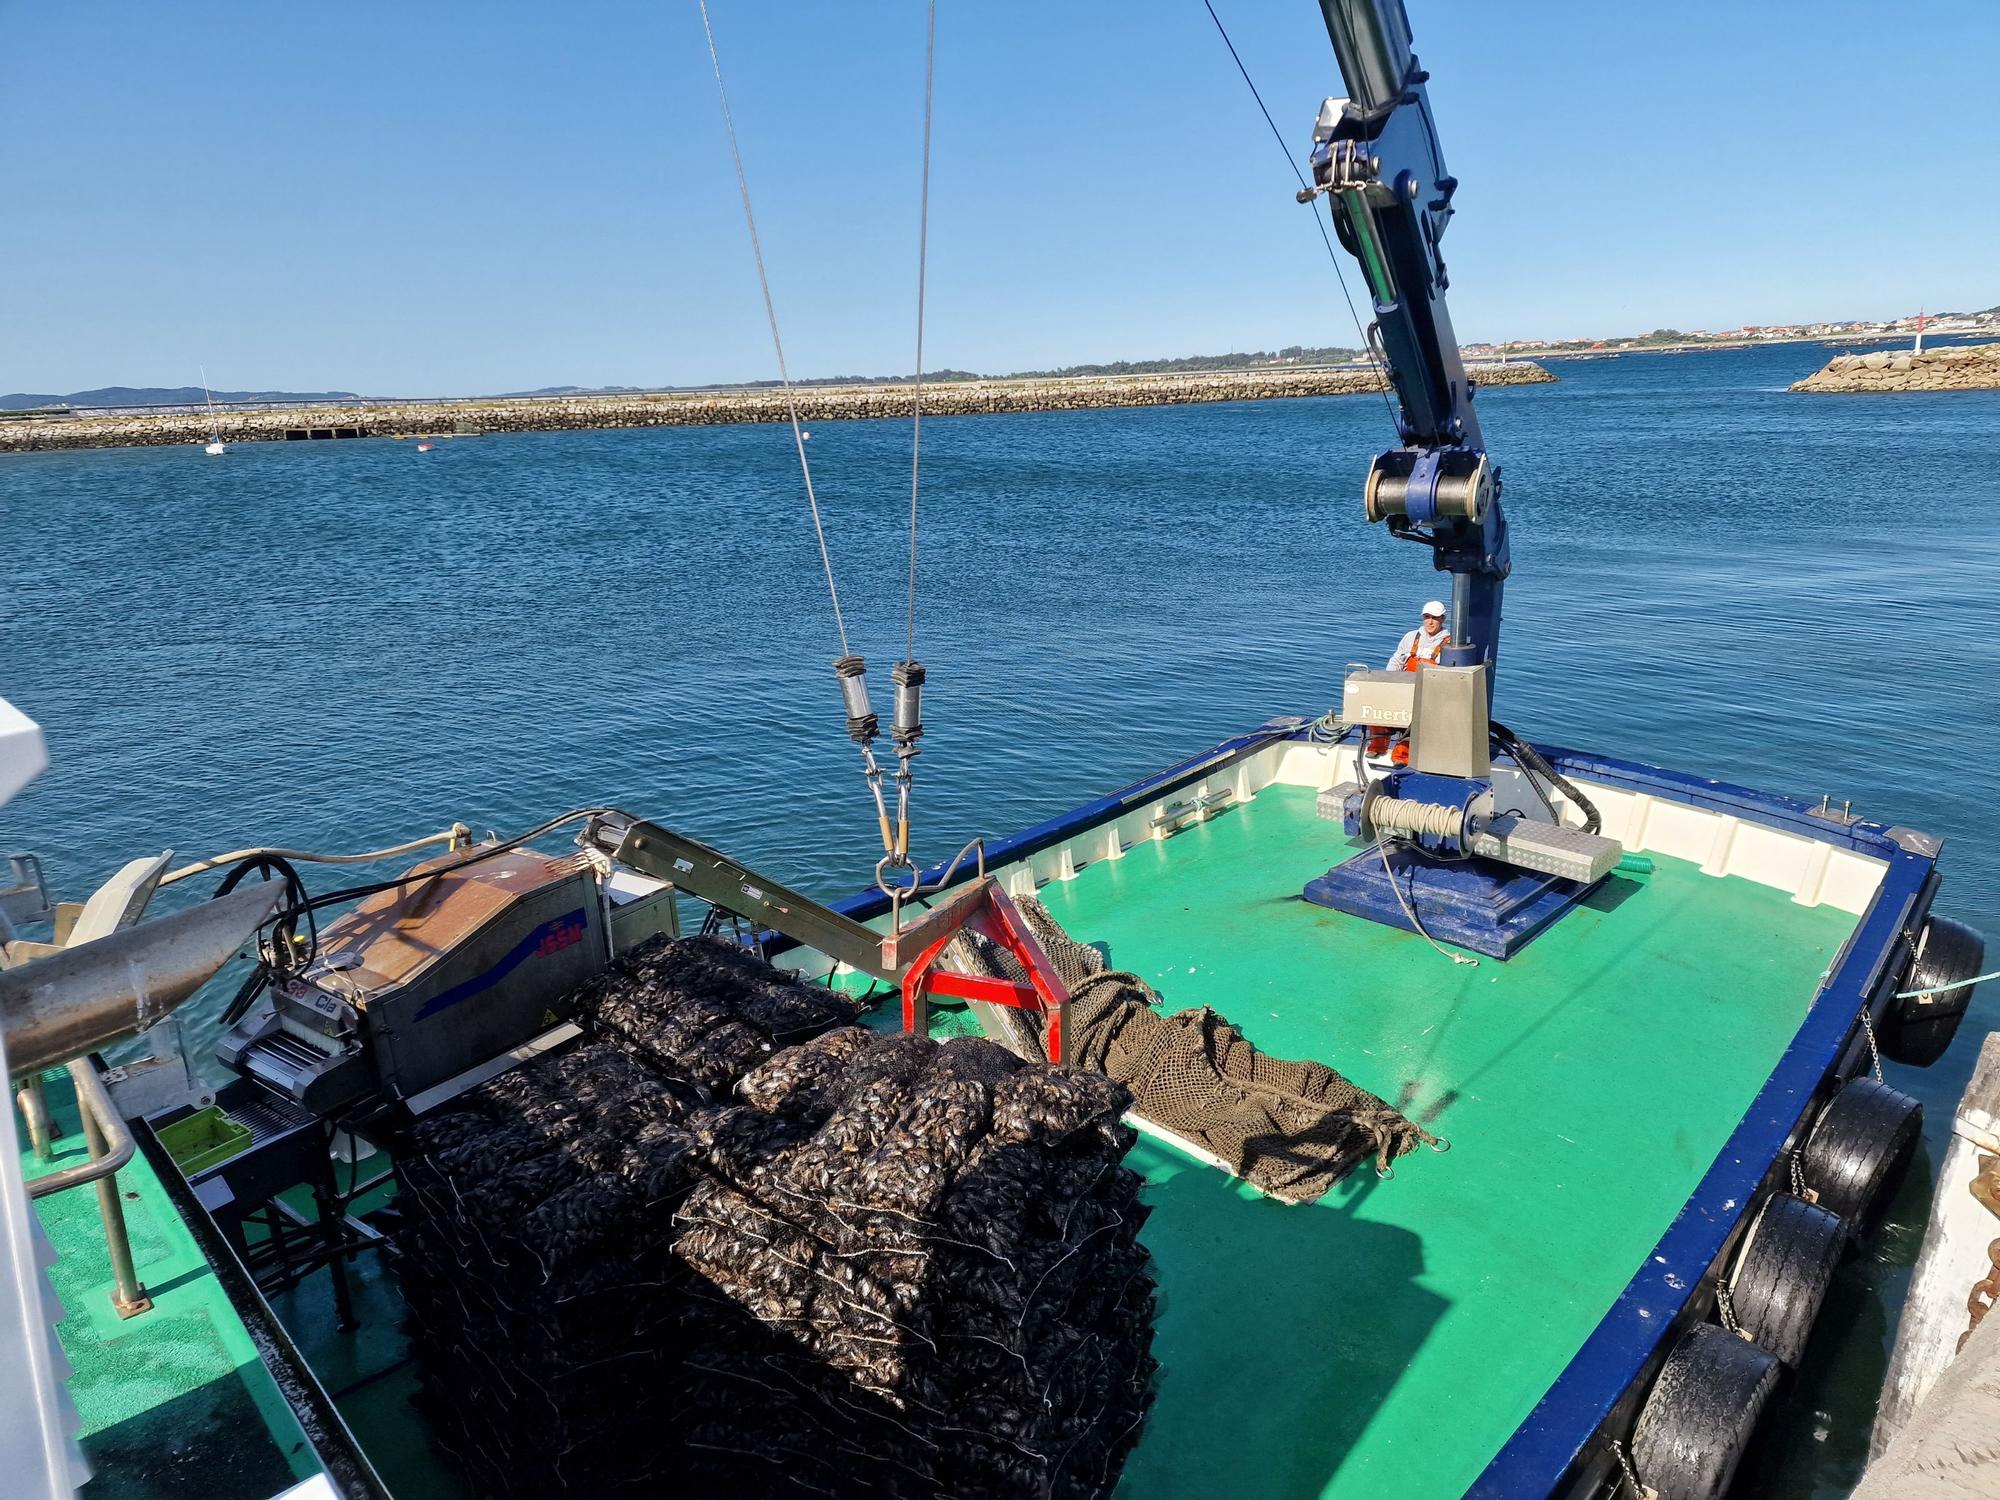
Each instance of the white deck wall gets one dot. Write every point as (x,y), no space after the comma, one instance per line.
(1810,872)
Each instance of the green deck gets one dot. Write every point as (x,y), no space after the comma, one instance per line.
(1383,1342)
(174,1402)
(1387,1340)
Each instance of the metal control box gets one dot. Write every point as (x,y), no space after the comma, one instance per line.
(1449,734)
(1385,698)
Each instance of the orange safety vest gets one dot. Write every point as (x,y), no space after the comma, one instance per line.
(1414,661)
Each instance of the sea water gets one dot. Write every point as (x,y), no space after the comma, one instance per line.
(339,645)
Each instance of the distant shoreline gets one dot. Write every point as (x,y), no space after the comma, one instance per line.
(1700,346)
(47,432)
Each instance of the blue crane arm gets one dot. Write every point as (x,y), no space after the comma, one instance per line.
(1376,158)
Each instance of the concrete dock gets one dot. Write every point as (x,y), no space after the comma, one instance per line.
(1937,1428)
(1951,1448)
(817,403)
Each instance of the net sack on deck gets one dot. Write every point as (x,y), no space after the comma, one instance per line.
(1293,1129)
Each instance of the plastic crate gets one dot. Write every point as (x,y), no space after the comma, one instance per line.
(201,1140)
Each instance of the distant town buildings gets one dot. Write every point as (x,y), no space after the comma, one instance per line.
(1985,324)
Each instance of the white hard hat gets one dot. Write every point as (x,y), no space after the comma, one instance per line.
(1435,607)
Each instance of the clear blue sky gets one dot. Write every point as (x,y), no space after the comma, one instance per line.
(460,198)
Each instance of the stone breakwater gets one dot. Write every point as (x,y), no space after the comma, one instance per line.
(701,408)
(1964,367)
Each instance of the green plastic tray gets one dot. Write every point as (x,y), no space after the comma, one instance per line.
(204,1138)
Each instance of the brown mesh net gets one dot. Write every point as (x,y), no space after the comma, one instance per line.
(1293,1129)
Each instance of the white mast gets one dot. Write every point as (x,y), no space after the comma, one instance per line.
(214,448)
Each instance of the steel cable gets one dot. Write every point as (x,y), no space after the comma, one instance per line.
(1382,848)
(777,343)
(1327,240)
(923,259)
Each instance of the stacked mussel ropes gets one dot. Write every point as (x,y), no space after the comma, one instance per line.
(703,1012)
(950,1240)
(532,1211)
(865,1264)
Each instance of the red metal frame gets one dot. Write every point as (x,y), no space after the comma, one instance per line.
(992,915)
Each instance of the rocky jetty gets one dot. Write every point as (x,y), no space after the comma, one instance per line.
(702,408)
(1963,367)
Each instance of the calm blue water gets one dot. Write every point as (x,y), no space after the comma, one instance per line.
(342,644)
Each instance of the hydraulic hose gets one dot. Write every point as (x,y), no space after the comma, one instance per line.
(1532,761)
(455,836)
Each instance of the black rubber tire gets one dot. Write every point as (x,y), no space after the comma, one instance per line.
(1920,1028)
(1701,1414)
(1782,1273)
(1859,1149)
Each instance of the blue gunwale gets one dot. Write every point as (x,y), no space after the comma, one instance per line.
(1604,1378)
(1671,1288)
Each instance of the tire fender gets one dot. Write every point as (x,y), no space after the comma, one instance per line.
(1782,1272)
(1701,1414)
(1919,1029)
(1858,1150)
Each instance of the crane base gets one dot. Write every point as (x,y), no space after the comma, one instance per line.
(1472,903)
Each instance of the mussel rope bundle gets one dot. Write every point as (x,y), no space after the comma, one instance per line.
(1293,1129)
(863,1265)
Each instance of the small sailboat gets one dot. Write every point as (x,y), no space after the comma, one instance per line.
(215,448)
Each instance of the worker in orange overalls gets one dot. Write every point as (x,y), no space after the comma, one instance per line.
(1418,648)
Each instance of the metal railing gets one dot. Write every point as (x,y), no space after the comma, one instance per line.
(110,1143)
